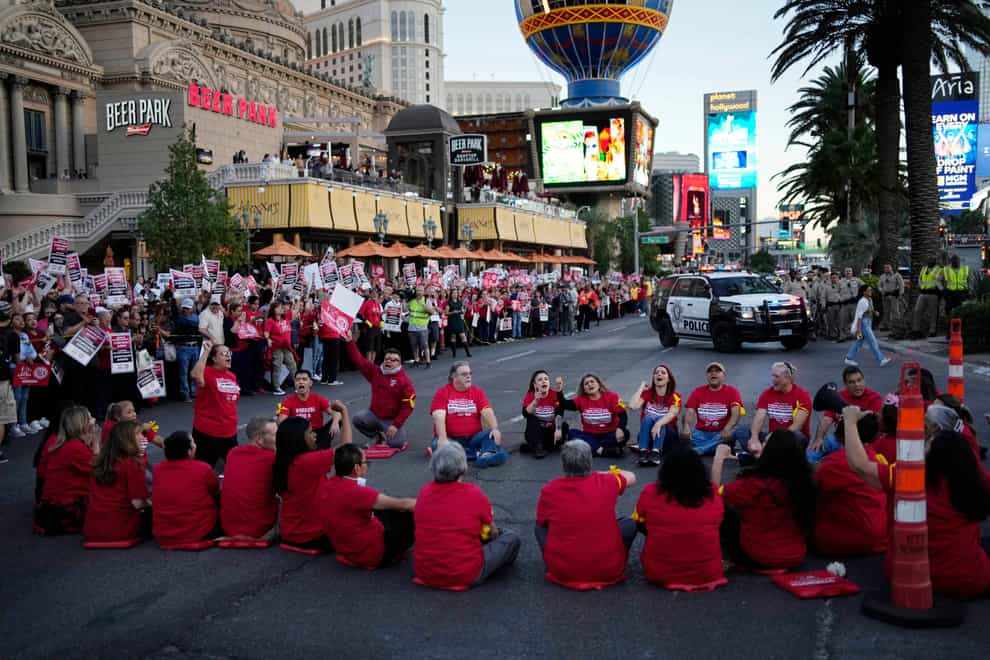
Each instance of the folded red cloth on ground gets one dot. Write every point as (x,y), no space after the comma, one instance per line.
(815,584)
(111,545)
(383,451)
(244,543)
(195,545)
(302,551)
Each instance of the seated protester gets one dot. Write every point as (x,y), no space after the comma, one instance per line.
(783,406)
(957,498)
(119,500)
(659,405)
(368,529)
(540,409)
(855,393)
(457,543)
(885,445)
(304,403)
(66,470)
(603,417)
(680,516)
(185,495)
(43,451)
(771,505)
(393,396)
(851,517)
(583,545)
(458,408)
(300,469)
(712,412)
(965,424)
(123,411)
(248,507)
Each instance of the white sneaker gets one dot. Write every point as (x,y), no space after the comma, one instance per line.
(16,432)
(35,426)
(884,362)
(278,392)
(44,422)
(337,382)
(851,363)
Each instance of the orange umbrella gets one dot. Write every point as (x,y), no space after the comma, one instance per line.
(424,251)
(447,252)
(370,249)
(282,248)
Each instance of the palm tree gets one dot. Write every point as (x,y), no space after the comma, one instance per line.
(854,244)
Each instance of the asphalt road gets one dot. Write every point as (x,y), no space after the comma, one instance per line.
(60,601)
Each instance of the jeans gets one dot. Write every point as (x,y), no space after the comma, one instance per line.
(475,445)
(741,436)
(368,424)
(316,357)
(497,553)
(705,442)
(667,435)
(829,445)
(186,356)
(867,336)
(597,441)
(516,324)
(21,398)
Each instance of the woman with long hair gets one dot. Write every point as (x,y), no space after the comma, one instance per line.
(957,499)
(456,327)
(300,468)
(215,410)
(603,417)
(278,332)
(680,516)
(66,472)
(862,328)
(772,505)
(118,492)
(541,410)
(659,405)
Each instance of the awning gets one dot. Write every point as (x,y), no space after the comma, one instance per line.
(272,204)
(370,249)
(365,210)
(282,249)
(395,209)
(505,222)
(524,228)
(481,219)
(419,251)
(342,209)
(579,235)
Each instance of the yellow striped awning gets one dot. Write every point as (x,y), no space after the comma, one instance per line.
(395,209)
(365,210)
(310,206)
(524,228)
(272,204)
(481,219)
(431,211)
(551,231)
(505,223)
(342,209)
(579,235)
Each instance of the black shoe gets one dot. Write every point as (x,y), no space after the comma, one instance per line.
(467,352)
(655,457)
(3,458)
(539,452)
(644,461)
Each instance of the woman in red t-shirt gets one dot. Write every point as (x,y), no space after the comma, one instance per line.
(541,409)
(66,472)
(603,417)
(215,410)
(659,405)
(118,493)
(278,332)
(772,505)
(680,516)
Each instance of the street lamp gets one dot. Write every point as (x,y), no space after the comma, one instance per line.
(430,231)
(467,232)
(381,226)
(251,230)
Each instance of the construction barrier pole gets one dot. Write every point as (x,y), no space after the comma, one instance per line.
(957,386)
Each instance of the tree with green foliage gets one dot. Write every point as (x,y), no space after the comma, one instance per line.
(187,218)
(762,262)
(968,222)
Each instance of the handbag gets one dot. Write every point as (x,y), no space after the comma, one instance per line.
(168,350)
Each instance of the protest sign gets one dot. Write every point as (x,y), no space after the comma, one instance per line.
(211,268)
(378,272)
(162,281)
(409,274)
(37,265)
(121,353)
(346,274)
(116,286)
(330,274)
(311,276)
(85,344)
(489,279)
(44,282)
(339,311)
(392,317)
(544,313)
(290,273)
(58,254)
(184,285)
(248,331)
(74,270)
(28,374)
(149,385)
(236,282)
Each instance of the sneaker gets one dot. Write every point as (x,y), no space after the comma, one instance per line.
(44,422)
(851,363)
(644,460)
(35,426)
(16,432)
(428,451)
(3,457)
(884,362)
(491,459)
(635,449)
(278,392)
(336,383)
(655,457)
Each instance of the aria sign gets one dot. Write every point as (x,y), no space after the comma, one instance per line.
(138,115)
(468,150)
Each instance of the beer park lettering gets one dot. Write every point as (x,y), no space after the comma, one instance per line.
(214,100)
(138,115)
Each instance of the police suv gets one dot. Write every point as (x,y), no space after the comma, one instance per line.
(728,308)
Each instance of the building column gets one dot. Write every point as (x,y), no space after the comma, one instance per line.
(21,183)
(78,137)
(4,143)
(61,132)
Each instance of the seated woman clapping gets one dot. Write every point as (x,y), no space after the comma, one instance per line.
(119,500)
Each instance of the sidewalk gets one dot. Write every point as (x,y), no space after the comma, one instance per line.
(937,347)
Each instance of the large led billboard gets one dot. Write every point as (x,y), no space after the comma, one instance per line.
(955,116)
(730,140)
(643,151)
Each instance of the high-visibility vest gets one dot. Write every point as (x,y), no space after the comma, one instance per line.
(928,278)
(418,315)
(958,279)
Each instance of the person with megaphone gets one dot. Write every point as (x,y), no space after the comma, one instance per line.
(855,393)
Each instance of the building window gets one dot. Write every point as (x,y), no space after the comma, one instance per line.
(309,45)
(395,26)
(340,31)
(350,33)
(427,98)
(34,128)
(358,37)
(318,43)
(427,63)
(333,37)
(427,75)
(403,32)
(326,43)
(426,28)
(427,86)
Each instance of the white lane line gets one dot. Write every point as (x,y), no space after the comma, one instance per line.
(667,350)
(513,356)
(624,327)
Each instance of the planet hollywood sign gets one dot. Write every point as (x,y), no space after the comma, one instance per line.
(214,100)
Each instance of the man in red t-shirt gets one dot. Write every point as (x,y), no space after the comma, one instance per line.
(393,397)
(712,411)
(247,505)
(583,545)
(367,529)
(303,403)
(458,409)
(185,493)
(855,393)
(783,405)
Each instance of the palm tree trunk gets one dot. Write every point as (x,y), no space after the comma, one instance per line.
(888,133)
(916,53)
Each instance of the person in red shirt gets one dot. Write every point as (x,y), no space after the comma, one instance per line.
(965,424)
(215,410)
(303,403)
(368,529)
(278,333)
(712,412)
(855,393)
(680,515)
(957,500)
(185,495)
(772,505)
(66,471)
(885,445)
(370,314)
(783,406)
(300,469)
(457,544)
(659,405)
(583,545)
(458,408)
(393,397)
(118,507)
(851,518)
(603,417)
(330,340)
(248,507)
(541,410)
(123,411)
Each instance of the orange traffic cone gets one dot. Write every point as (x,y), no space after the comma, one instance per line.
(957,386)
(910,602)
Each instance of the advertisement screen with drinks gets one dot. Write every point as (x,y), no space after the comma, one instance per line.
(732,150)
(643,154)
(583,151)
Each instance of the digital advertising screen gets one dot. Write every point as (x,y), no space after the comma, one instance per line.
(732,150)
(955,129)
(693,207)
(643,154)
(720,225)
(583,151)
(983,157)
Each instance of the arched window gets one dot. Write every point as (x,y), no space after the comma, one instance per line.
(319,44)
(412,26)
(333,38)
(395,26)
(350,33)
(403,32)
(309,45)
(326,43)
(426,28)
(358,30)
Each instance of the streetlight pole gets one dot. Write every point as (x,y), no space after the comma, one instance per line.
(467,233)
(429,231)
(381,226)
(251,231)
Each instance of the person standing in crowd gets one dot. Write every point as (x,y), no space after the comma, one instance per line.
(956,285)
(304,403)
(28,354)
(541,410)
(371,324)
(186,492)
(367,528)
(211,321)
(583,545)
(833,307)
(330,339)
(892,292)
(848,294)
(117,509)
(855,393)
(433,327)
(456,329)
(931,286)
(568,307)
(712,412)
(393,397)
(248,507)
(795,286)
(862,328)
(659,405)
(584,309)
(419,320)
(185,337)
(10,350)
(457,544)
(603,417)
(65,471)
(458,409)
(784,405)
(680,515)
(215,410)
(278,334)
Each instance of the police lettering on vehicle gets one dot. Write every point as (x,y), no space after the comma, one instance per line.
(696,325)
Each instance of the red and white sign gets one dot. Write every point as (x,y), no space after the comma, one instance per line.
(116,286)
(85,344)
(346,274)
(58,254)
(340,310)
(409,274)
(184,284)
(378,271)
(28,374)
(248,331)
(290,274)
(213,100)
(392,317)
(330,274)
(121,353)
(236,281)
(211,267)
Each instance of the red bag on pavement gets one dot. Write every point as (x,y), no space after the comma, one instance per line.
(815,584)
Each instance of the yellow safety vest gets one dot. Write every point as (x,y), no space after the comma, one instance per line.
(928,278)
(957,280)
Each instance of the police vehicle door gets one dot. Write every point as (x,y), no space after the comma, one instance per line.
(696,319)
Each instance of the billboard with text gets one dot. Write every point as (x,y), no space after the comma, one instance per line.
(730,140)
(955,117)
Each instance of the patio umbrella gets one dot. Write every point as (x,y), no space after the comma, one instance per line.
(282,248)
(370,249)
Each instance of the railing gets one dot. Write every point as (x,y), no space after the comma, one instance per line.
(533,206)
(250,172)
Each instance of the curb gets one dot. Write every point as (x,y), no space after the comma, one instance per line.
(981,365)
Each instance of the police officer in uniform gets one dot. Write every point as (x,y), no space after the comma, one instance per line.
(956,285)
(833,304)
(929,291)
(795,287)
(848,295)
(892,292)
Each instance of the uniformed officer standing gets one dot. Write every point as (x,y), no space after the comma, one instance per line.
(929,291)
(796,287)
(956,285)
(892,292)
(832,308)
(848,293)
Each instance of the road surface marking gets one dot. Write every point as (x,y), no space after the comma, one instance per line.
(667,350)
(513,356)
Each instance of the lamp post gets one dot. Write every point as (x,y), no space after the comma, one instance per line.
(467,232)
(381,226)
(250,229)
(430,231)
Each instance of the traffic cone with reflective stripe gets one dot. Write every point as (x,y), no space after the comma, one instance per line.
(910,602)
(957,386)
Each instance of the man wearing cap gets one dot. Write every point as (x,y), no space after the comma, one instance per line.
(186,339)
(10,348)
(712,411)
(211,321)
